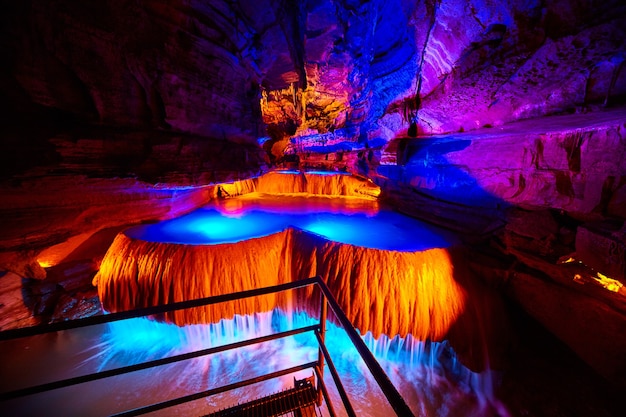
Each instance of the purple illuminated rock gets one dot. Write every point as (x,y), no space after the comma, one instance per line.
(570,163)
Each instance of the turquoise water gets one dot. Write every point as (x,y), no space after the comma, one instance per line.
(313,172)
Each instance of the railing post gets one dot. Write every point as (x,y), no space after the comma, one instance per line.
(393,396)
(320,355)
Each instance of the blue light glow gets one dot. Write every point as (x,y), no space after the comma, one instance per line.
(344,223)
(420,370)
(312,172)
(427,374)
(386,230)
(209,226)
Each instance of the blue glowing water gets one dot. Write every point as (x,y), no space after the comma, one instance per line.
(244,218)
(427,374)
(314,172)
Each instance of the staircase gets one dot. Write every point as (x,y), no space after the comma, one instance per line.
(299,401)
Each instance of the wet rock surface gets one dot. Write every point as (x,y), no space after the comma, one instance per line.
(119,113)
(15,313)
(533,204)
(573,163)
(66,294)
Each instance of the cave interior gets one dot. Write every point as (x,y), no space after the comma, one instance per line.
(501,122)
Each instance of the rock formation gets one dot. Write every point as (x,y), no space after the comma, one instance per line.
(395,293)
(117,113)
(312,183)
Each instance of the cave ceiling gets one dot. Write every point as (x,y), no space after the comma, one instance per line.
(359,69)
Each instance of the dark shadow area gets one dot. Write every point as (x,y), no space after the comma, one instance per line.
(545,378)
(482,335)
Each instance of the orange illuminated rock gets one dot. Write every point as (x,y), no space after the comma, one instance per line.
(136,274)
(381,291)
(428,293)
(288,182)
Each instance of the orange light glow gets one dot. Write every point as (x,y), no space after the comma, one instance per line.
(602,280)
(296,203)
(312,110)
(58,253)
(608,283)
(381,291)
(45,263)
(136,273)
(388,292)
(287,182)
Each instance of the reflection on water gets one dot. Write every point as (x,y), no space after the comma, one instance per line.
(345,220)
(427,374)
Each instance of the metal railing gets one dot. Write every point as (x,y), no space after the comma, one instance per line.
(326,301)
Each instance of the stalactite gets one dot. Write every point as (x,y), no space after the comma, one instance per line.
(420,77)
(616,71)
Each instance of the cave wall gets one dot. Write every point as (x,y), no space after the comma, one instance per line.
(141,88)
(541,203)
(521,60)
(451,65)
(101,101)
(572,163)
(163,92)
(174,65)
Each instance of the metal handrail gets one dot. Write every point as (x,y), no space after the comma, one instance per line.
(151,311)
(390,392)
(213,391)
(393,396)
(149,364)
